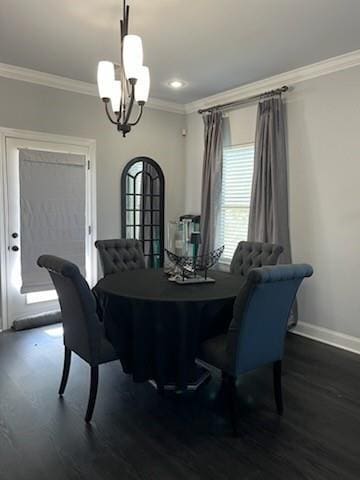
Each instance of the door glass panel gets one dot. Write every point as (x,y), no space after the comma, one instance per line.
(130,232)
(129,202)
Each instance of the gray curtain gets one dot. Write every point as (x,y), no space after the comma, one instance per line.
(211,179)
(269,216)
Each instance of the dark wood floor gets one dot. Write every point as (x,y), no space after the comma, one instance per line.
(136,434)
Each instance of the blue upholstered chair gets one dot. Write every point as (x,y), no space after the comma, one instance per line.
(83,331)
(249,255)
(257,331)
(120,254)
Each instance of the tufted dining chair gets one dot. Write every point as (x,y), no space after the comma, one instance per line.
(83,332)
(120,254)
(256,334)
(249,255)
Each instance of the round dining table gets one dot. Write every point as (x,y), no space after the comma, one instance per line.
(157,326)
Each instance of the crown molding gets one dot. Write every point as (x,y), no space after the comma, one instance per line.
(325,67)
(76,86)
(292,77)
(172,107)
(47,79)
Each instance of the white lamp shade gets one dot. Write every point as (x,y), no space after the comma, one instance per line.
(142,86)
(132,55)
(116,96)
(105,79)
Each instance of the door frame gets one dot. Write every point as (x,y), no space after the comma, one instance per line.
(4,233)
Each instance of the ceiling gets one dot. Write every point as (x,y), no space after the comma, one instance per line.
(212,45)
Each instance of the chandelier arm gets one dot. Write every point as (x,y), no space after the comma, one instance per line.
(131,104)
(139,116)
(120,109)
(121,29)
(127,12)
(109,115)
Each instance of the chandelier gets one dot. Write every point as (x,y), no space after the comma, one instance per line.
(121,85)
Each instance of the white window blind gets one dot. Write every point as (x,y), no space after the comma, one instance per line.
(52,212)
(238,167)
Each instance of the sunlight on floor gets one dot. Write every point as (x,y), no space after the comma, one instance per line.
(55,332)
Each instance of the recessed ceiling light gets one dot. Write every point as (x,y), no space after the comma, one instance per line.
(176,84)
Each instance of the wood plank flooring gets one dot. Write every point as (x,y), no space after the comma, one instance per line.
(137,434)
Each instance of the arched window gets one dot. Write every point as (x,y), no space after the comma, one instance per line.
(142,207)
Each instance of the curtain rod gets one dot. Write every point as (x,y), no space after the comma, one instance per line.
(236,103)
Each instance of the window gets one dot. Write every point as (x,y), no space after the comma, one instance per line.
(142,207)
(238,166)
(37,297)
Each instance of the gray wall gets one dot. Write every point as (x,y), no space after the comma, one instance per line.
(34,107)
(324,173)
(324,176)
(324,151)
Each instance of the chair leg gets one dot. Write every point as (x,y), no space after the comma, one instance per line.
(160,389)
(230,384)
(277,387)
(66,369)
(93,391)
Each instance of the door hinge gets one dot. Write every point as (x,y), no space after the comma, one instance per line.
(88,164)
(89,230)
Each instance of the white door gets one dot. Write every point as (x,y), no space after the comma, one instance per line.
(19,305)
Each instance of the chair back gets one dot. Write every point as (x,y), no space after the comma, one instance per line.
(249,255)
(261,310)
(120,254)
(83,330)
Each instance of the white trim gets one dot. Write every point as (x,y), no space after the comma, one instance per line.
(51,138)
(292,77)
(93,212)
(47,79)
(3,223)
(46,137)
(335,64)
(171,107)
(76,86)
(330,337)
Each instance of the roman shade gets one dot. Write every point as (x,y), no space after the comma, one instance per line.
(52,212)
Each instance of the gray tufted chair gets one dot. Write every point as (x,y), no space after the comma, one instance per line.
(249,255)
(257,331)
(120,254)
(83,331)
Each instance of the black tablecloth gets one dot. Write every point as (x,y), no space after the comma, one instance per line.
(156,326)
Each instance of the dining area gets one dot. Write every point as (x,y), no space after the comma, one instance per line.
(171,335)
(179,227)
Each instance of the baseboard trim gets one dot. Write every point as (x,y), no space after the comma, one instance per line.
(330,337)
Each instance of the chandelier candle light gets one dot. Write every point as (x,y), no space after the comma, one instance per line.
(134,80)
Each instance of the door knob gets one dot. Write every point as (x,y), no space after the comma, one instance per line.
(15,248)
(14,235)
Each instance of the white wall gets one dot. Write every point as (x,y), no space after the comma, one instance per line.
(34,107)
(324,191)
